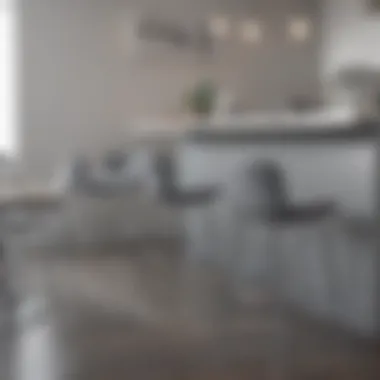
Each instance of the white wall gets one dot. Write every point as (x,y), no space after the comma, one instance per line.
(71,67)
(262,76)
(350,34)
(80,82)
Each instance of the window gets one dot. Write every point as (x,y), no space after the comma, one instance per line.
(7,79)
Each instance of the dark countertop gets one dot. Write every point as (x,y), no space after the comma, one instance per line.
(361,131)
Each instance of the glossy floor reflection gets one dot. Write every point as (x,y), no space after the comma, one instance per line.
(110,315)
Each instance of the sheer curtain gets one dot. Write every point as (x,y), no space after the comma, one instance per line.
(7,78)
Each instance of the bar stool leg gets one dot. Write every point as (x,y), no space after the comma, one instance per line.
(329,264)
(233,262)
(211,228)
(281,349)
(196,282)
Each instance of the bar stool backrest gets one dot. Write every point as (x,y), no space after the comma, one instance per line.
(268,185)
(165,172)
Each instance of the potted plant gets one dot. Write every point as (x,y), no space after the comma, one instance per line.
(200,101)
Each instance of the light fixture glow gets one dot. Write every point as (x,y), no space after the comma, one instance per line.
(219,27)
(299,29)
(251,31)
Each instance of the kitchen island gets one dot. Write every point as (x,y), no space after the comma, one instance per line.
(337,164)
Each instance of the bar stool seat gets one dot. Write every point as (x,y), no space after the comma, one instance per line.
(307,213)
(189,198)
(171,193)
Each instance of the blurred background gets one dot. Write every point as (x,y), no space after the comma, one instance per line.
(189,184)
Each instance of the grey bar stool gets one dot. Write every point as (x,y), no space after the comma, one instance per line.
(275,211)
(272,209)
(199,275)
(85,182)
(174,195)
(171,193)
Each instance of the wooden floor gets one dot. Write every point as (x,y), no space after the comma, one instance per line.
(114,314)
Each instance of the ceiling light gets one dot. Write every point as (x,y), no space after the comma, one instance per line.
(219,27)
(251,32)
(299,29)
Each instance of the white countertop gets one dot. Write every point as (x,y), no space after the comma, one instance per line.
(162,127)
(323,118)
